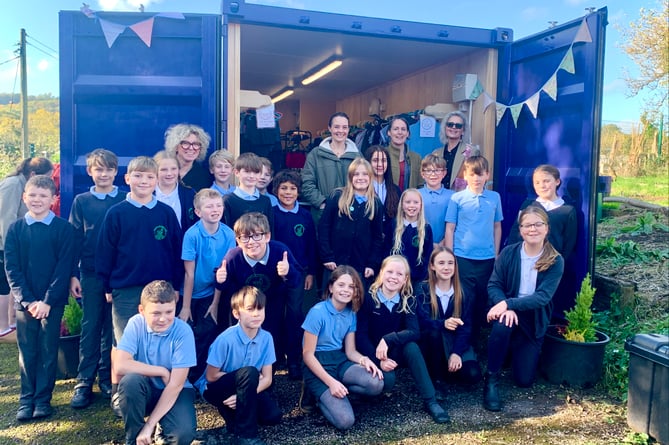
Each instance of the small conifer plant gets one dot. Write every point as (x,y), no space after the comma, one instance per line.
(72,315)
(581,326)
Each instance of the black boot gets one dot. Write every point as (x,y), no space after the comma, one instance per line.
(491,400)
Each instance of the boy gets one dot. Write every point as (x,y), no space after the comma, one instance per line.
(435,196)
(294,226)
(88,211)
(140,241)
(264,180)
(238,382)
(220,165)
(153,357)
(204,246)
(474,232)
(39,261)
(262,263)
(246,197)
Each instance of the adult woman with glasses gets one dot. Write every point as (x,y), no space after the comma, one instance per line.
(189,144)
(405,163)
(453,128)
(521,287)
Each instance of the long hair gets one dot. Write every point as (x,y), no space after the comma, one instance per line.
(348,195)
(392,197)
(406,293)
(549,254)
(551,170)
(356,301)
(399,226)
(32,166)
(442,127)
(455,282)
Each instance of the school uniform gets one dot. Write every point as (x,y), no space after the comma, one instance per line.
(435,204)
(238,202)
(409,250)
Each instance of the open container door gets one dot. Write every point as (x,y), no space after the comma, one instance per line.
(553,80)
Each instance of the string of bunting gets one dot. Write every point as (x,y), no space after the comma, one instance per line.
(143,28)
(550,87)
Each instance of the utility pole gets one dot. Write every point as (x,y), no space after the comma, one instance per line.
(24,95)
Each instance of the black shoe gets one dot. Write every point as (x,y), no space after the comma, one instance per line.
(439,415)
(42,411)
(491,400)
(25,412)
(105,390)
(116,406)
(82,397)
(294,372)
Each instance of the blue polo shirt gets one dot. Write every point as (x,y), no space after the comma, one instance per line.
(435,204)
(207,250)
(172,349)
(329,325)
(233,350)
(474,217)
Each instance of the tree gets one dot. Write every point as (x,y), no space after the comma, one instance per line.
(646,43)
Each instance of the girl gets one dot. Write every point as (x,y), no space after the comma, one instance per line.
(350,230)
(406,163)
(412,236)
(386,190)
(445,319)
(388,330)
(168,191)
(521,287)
(330,372)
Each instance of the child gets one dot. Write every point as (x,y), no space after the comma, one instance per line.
(153,357)
(473,232)
(332,365)
(265,179)
(520,290)
(237,381)
(435,196)
(294,226)
(388,331)
(445,319)
(246,197)
(412,237)
(88,211)
(168,190)
(350,230)
(261,262)
(204,246)
(39,260)
(220,165)
(140,241)
(386,190)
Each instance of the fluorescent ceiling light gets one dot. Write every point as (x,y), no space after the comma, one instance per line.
(322,72)
(282,95)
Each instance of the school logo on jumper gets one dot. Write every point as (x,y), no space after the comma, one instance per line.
(160,232)
(298,229)
(191,214)
(258,280)
(414,241)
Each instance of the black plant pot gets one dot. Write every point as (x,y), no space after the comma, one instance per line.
(572,363)
(68,357)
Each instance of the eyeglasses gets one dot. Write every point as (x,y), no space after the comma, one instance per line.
(195,146)
(434,172)
(454,125)
(255,237)
(536,225)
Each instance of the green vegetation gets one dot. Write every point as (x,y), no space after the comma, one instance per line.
(653,189)
(580,324)
(625,252)
(645,224)
(72,316)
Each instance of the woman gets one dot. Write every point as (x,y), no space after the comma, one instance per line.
(520,290)
(326,166)
(386,190)
(405,163)
(11,209)
(453,128)
(189,144)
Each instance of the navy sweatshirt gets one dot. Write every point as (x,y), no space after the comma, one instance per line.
(298,232)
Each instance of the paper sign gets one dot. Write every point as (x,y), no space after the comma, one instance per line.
(427,126)
(265,117)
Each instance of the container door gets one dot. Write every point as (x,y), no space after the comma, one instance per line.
(552,85)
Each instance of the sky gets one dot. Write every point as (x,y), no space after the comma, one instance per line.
(526,17)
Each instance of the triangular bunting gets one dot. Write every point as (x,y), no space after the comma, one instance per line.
(487,100)
(476,92)
(550,87)
(500,109)
(567,63)
(144,30)
(583,34)
(533,104)
(515,112)
(171,15)
(111,31)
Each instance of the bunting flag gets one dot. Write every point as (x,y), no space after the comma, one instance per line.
(144,30)
(500,109)
(111,31)
(550,87)
(567,63)
(533,104)
(487,100)
(515,112)
(476,92)
(583,34)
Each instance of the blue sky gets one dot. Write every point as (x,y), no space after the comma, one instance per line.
(525,17)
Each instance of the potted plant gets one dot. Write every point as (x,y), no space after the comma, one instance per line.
(70,333)
(573,354)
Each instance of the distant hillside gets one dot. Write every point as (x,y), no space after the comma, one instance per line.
(42,101)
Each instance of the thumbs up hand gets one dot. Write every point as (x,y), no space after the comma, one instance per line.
(222,272)
(282,266)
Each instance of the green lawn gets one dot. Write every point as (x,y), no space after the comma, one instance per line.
(653,189)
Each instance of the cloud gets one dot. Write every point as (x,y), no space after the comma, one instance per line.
(125,5)
(615,86)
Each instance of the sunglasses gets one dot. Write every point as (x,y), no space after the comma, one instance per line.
(454,125)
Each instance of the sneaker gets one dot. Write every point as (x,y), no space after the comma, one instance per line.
(25,412)
(116,405)
(42,411)
(82,397)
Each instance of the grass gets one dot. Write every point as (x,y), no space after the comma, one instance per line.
(653,189)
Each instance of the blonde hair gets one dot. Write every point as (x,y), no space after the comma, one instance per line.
(179,132)
(455,282)
(406,293)
(348,194)
(221,155)
(205,194)
(549,254)
(142,164)
(399,227)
